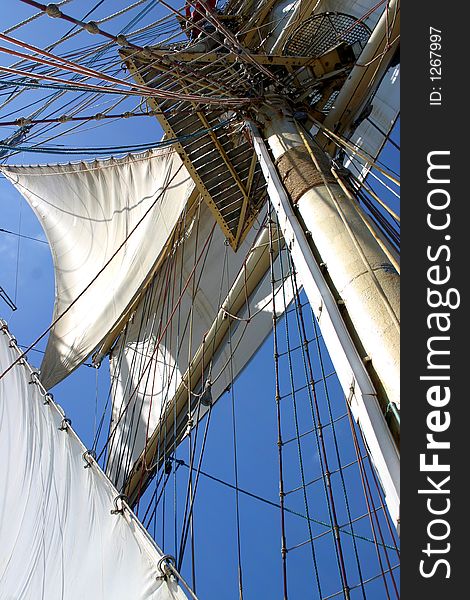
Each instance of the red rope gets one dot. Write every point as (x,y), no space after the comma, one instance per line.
(119,39)
(162,334)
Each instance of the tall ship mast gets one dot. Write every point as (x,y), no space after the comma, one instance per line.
(225,328)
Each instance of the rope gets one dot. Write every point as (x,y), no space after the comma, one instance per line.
(352,235)
(381,495)
(121,40)
(338,456)
(32,18)
(139,367)
(87,287)
(388,228)
(368,501)
(188,523)
(278,414)
(276,505)
(317,422)
(297,433)
(69,35)
(354,148)
(234,441)
(191,274)
(64,88)
(22,236)
(99,151)
(97,117)
(366,222)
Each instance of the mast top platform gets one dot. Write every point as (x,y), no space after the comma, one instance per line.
(210,83)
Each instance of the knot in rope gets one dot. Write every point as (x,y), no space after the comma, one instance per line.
(121,40)
(91,27)
(23,122)
(52,10)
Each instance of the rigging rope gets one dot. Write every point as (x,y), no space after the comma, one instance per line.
(234,438)
(317,422)
(22,235)
(32,18)
(97,50)
(98,151)
(278,411)
(180,462)
(297,429)
(356,150)
(352,235)
(122,41)
(87,287)
(336,446)
(370,506)
(160,337)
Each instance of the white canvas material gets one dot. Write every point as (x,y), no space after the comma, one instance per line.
(149,361)
(107,222)
(59,538)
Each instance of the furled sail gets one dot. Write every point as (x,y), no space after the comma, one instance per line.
(107,222)
(60,538)
(180,317)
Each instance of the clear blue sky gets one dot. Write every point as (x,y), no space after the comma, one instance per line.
(26,274)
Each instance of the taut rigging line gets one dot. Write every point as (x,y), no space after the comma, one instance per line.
(53,11)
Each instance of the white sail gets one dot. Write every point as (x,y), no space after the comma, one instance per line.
(148,363)
(107,222)
(291,16)
(372,133)
(59,538)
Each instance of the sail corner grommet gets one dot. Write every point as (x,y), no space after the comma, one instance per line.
(88,456)
(34,377)
(65,424)
(167,565)
(119,504)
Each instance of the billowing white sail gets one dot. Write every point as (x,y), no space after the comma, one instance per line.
(59,538)
(172,324)
(107,222)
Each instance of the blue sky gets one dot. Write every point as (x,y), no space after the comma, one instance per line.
(27,276)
